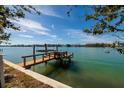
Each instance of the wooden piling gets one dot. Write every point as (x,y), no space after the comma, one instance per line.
(45,62)
(45,48)
(34,57)
(49,55)
(45,57)
(24,59)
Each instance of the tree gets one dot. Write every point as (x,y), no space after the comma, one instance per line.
(108,18)
(12,12)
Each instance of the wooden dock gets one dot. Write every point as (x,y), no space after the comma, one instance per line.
(44,58)
(47,55)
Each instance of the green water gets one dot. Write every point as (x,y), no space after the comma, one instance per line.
(90,67)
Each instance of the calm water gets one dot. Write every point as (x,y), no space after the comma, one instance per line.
(91,67)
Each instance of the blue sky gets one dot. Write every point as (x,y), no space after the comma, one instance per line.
(54,26)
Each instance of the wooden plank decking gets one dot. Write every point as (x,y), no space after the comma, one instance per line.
(38,61)
(44,58)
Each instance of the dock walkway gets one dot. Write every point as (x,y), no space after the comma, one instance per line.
(44,58)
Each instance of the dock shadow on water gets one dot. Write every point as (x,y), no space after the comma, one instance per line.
(66,72)
(54,69)
(67,66)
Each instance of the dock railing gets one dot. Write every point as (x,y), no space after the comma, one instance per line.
(33,56)
(47,56)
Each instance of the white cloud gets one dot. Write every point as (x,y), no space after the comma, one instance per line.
(30,25)
(35,29)
(48,10)
(26,36)
(87,38)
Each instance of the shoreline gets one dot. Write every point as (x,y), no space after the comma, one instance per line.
(16,79)
(41,78)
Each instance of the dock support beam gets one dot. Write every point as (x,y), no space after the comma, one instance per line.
(43,57)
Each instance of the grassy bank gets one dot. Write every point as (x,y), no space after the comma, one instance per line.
(17,79)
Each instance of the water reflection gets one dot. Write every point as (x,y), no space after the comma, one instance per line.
(57,68)
(120,50)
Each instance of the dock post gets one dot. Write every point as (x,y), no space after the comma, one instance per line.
(43,57)
(46,63)
(45,48)
(2,79)
(49,55)
(34,58)
(24,62)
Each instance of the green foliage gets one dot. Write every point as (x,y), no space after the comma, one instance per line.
(87,30)
(104,15)
(12,12)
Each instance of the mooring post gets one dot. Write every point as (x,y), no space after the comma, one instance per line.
(49,55)
(2,79)
(45,62)
(45,45)
(24,60)
(43,57)
(34,57)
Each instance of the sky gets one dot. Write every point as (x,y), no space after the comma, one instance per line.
(53,26)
